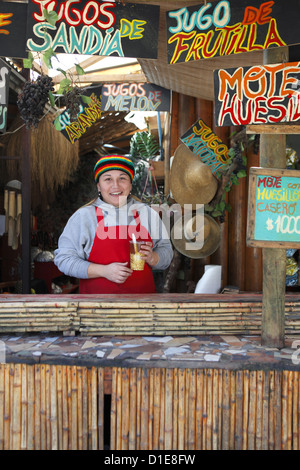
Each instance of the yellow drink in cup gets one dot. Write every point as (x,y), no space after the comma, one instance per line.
(137,262)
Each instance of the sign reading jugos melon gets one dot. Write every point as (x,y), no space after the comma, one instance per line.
(274,208)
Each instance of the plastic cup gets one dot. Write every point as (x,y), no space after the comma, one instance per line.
(137,262)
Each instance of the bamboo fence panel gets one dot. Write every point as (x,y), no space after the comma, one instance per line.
(44,407)
(62,407)
(215,409)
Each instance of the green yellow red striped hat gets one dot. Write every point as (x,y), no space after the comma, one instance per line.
(113,162)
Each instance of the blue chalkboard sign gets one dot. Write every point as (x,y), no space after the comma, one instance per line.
(274,208)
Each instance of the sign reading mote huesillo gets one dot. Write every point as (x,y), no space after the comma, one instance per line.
(260,94)
(94,27)
(274,208)
(230,27)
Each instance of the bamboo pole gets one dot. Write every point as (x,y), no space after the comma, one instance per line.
(252,411)
(151,411)
(181,408)
(168,431)
(24,408)
(191,410)
(295,412)
(278,409)
(162,410)
(53,408)
(2,406)
(132,409)
(156,408)
(215,410)
(271,440)
(113,409)
(16,408)
(125,410)
(144,409)
(232,410)
(209,394)
(74,391)
(100,408)
(65,415)
(245,410)
(289,409)
(259,411)
(199,408)
(226,411)
(85,395)
(138,411)
(238,445)
(175,410)
(265,410)
(69,404)
(204,411)
(93,402)
(59,408)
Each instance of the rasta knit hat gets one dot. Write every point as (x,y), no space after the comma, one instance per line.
(113,162)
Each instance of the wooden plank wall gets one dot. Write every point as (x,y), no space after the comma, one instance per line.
(50,407)
(241,266)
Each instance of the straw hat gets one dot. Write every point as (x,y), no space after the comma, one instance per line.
(198,237)
(191,180)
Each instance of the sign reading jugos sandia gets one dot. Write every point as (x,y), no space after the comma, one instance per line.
(262,94)
(230,27)
(94,27)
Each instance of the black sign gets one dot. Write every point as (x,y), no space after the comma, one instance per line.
(261,94)
(224,28)
(13,29)
(95,27)
(89,113)
(134,97)
(4,90)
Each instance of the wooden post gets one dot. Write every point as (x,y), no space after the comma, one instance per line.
(273,155)
(26,212)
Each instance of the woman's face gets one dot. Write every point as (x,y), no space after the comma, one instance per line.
(115,186)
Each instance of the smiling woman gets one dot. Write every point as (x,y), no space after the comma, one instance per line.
(95,244)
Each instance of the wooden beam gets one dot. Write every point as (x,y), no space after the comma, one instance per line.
(111,77)
(280,128)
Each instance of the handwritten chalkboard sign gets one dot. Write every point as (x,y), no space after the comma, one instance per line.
(202,141)
(230,27)
(13,29)
(95,27)
(274,208)
(134,97)
(262,94)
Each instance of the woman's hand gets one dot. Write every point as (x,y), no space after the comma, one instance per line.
(149,255)
(117,272)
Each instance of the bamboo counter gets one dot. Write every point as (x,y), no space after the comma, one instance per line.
(157,314)
(199,384)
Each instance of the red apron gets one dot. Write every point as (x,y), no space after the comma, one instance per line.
(111,244)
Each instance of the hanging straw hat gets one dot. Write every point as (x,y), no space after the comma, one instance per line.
(191,180)
(198,237)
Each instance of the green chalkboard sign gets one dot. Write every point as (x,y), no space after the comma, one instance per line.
(274,208)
